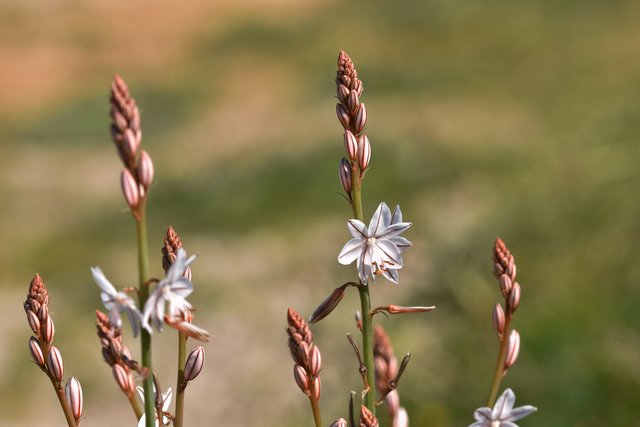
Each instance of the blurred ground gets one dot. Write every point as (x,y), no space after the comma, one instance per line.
(520,120)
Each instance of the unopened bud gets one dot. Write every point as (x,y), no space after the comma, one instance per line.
(339,423)
(350,144)
(511,268)
(498,319)
(514,297)
(36,351)
(145,169)
(358,88)
(343,115)
(122,378)
(498,270)
(352,100)
(303,352)
(361,119)
(343,93)
(329,304)
(315,361)
(54,362)
(73,391)
(300,375)
(43,314)
(401,419)
(108,356)
(512,350)
(364,152)
(49,330)
(129,146)
(345,176)
(129,188)
(194,363)
(34,322)
(505,285)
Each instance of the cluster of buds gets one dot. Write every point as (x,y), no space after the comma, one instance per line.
(352,114)
(367,419)
(43,352)
(137,175)
(504,268)
(116,354)
(305,354)
(388,375)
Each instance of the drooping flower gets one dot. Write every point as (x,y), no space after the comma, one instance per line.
(377,248)
(169,294)
(503,413)
(166,402)
(116,302)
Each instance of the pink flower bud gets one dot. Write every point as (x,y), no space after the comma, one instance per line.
(343,115)
(54,362)
(512,350)
(129,146)
(36,351)
(339,423)
(43,314)
(34,322)
(73,391)
(361,119)
(498,319)
(122,378)
(49,330)
(129,188)
(505,285)
(353,101)
(304,350)
(358,88)
(364,152)
(315,361)
(194,364)
(514,297)
(345,177)
(145,170)
(343,93)
(511,268)
(350,144)
(300,375)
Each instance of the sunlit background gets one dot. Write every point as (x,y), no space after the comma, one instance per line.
(511,119)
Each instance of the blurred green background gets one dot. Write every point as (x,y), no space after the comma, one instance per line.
(512,119)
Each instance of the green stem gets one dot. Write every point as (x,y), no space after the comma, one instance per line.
(499,372)
(71,421)
(182,356)
(143,294)
(315,407)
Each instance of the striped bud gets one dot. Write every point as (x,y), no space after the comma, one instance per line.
(350,144)
(315,361)
(73,391)
(36,351)
(122,378)
(361,119)
(358,88)
(34,322)
(129,145)
(43,314)
(129,188)
(303,352)
(343,93)
(353,101)
(145,170)
(505,285)
(364,152)
(339,423)
(343,115)
(498,319)
(54,362)
(512,350)
(345,176)
(300,375)
(514,297)
(194,363)
(49,330)
(511,268)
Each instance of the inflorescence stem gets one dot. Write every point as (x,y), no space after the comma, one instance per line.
(180,382)
(500,370)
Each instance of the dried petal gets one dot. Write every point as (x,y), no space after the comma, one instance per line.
(328,305)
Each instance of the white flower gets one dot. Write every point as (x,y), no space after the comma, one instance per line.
(116,302)
(166,402)
(502,413)
(377,248)
(169,294)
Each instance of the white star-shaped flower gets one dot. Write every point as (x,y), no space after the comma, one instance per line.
(378,248)
(503,413)
(116,302)
(169,294)
(166,402)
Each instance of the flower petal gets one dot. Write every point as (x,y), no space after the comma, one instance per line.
(351,250)
(393,230)
(504,404)
(400,242)
(390,251)
(520,412)
(357,229)
(102,281)
(397,215)
(182,287)
(391,275)
(482,414)
(380,220)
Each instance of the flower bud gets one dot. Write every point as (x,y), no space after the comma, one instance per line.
(129,188)
(358,88)
(145,169)
(129,146)
(343,115)
(43,314)
(315,361)
(511,268)
(345,177)
(49,330)
(122,378)
(303,351)
(330,303)
(498,270)
(514,297)
(108,356)
(194,364)
(73,391)
(498,319)
(364,152)
(353,101)
(401,419)
(300,375)
(339,423)
(361,118)
(36,351)
(350,144)
(343,93)
(512,350)
(505,285)
(34,322)
(54,362)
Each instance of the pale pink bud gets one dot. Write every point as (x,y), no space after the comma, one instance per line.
(511,268)
(34,322)
(43,314)
(401,419)
(129,145)
(498,270)
(343,93)
(315,389)
(129,188)
(364,152)
(300,375)
(350,144)
(361,119)
(73,391)
(145,169)
(392,400)
(49,330)
(505,285)
(512,350)
(54,362)
(122,378)
(352,100)
(358,88)
(36,351)
(514,297)
(194,363)
(303,350)
(498,319)
(345,176)
(343,115)
(315,361)
(339,423)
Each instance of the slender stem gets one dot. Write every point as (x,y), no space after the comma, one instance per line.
(182,356)
(135,405)
(315,407)
(71,421)
(143,294)
(499,372)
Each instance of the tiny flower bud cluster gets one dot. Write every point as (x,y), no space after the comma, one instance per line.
(367,419)
(116,354)
(305,354)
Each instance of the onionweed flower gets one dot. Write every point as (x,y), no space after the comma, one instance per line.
(377,248)
(166,402)
(116,302)
(503,413)
(169,294)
